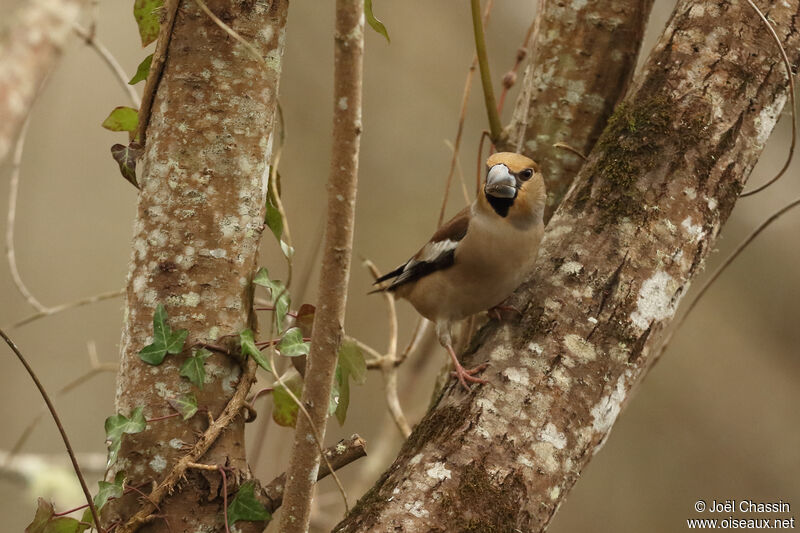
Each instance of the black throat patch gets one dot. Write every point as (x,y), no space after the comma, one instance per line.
(501,205)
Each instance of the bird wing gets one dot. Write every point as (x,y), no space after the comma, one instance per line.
(437,254)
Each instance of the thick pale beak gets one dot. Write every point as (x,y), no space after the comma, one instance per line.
(500,183)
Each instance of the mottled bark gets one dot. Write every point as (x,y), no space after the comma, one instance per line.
(617,257)
(582,61)
(31,41)
(336,259)
(196,237)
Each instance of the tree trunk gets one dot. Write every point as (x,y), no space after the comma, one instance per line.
(583,60)
(195,244)
(631,233)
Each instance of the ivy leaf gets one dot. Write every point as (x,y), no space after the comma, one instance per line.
(147,15)
(342,400)
(126,157)
(109,490)
(284,408)
(280,296)
(45,522)
(245,506)
(376,24)
(185,404)
(352,361)
(249,347)
(122,118)
(117,425)
(142,70)
(194,368)
(164,339)
(305,319)
(292,343)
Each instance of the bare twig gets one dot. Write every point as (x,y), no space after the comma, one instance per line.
(567,147)
(510,78)
(156,67)
(788,65)
(387,363)
(720,269)
(64,307)
(105,54)
(486,77)
(462,114)
(95,367)
(339,455)
(231,411)
(328,322)
(11,218)
(86,492)
(460,172)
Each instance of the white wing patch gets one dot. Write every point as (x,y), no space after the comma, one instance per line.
(434,250)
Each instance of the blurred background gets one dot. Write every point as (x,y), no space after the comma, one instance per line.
(717,418)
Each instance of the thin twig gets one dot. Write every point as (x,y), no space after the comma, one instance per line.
(11,218)
(105,54)
(86,492)
(95,367)
(339,455)
(788,66)
(460,173)
(224,497)
(64,307)
(486,77)
(480,164)
(388,361)
(764,225)
(462,114)
(510,77)
(156,67)
(336,262)
(565,146)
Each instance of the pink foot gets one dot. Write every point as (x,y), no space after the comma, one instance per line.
(468,374)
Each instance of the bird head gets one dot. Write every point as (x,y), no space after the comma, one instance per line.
(514,188)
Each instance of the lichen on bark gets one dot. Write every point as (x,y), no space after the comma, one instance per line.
(196,237)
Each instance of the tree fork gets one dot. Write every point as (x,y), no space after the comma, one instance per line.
(630,235)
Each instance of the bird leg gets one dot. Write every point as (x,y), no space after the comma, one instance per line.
(464,374)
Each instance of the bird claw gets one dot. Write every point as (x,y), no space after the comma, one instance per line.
(468,374)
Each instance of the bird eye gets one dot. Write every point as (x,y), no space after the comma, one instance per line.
(526,174)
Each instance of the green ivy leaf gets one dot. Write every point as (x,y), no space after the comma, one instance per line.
(45,522)
(352,361)
(122,118)
(245,506)
(126,157)
(194,368)
(376,24)
(164,339)
(185,404)
(117,425)
(147,14)
(342,398)
(280,296)
(109,490)
(292,343)
(284,408)
(249,347)
(142,70)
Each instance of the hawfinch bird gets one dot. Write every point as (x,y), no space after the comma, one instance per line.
(476,260)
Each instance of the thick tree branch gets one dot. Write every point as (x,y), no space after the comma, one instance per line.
(336,259)
(630,235)
(583,59)
(35,35)
(196,236)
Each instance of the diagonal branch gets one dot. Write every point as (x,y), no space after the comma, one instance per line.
(617,256)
